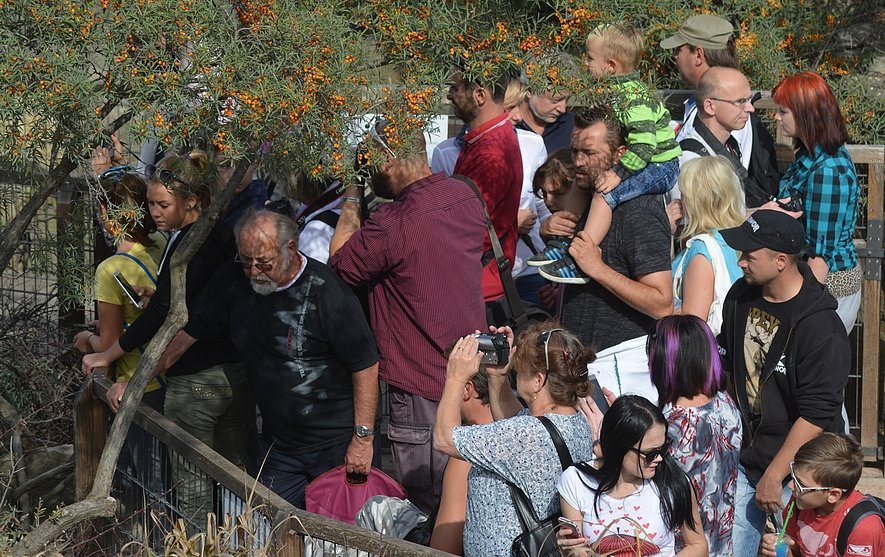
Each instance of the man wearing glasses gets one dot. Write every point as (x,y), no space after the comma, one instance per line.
(309,354)
(725,105)
(704,42)
(788,356)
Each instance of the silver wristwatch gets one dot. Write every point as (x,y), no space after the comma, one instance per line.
(362,431)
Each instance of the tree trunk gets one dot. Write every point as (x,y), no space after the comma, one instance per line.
(96,503)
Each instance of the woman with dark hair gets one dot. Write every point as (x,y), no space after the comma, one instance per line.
(634,498)
(704,422)
(550,366)
(824,178)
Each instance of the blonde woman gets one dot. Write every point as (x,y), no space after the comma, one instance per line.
(707,267)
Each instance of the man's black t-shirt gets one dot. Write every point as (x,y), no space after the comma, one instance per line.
(638,243)
(299,346)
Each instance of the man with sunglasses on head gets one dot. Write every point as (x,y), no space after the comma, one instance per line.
(788,356)
(420,255)
(705,42)
(309,354)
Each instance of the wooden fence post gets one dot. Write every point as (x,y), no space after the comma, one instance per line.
(872,397)
(90,435)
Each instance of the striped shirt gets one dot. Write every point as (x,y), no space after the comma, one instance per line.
(649,136)
(828,186)
(420,255)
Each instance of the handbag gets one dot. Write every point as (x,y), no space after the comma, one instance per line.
(340,496)
(538,537)
(510,309)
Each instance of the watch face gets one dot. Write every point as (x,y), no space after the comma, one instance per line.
(362,431)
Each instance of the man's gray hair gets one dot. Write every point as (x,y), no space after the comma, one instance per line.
(286,228)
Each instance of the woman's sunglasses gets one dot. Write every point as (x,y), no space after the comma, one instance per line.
(651,455)
(544,339)
(164,176)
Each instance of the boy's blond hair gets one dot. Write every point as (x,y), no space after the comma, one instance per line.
(832,459)
(621,42)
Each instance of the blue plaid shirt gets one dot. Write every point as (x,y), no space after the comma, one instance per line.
(828,186)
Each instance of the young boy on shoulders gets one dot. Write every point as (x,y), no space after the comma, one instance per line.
(650,164)
(824,474)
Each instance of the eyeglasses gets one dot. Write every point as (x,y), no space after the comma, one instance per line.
(164,176)
(544,338)
(262,266)
(740,103)
(115,173)
(802,489)
(383,142)
(651,455)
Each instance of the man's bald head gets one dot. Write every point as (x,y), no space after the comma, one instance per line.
(716,80)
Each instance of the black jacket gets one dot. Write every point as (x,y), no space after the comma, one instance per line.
(804,373)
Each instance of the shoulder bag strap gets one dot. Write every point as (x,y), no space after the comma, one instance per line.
(521,503)
(142,265)
(565,457)
(517,309)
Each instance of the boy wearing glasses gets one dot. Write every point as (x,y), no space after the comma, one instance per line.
(823,476)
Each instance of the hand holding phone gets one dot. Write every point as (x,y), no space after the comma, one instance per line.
(566,524)
(128,290)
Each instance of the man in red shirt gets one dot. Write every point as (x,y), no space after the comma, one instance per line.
(491,158)
(421,255)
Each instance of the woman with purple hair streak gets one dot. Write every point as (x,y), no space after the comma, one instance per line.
(703,420)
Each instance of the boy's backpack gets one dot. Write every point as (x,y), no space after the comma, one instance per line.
(869,505)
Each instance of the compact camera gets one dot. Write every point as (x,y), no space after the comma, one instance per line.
(495,348)
(795,205)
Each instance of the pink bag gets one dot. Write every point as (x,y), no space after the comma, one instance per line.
(340,496)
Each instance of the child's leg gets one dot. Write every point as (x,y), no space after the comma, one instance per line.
(599,219)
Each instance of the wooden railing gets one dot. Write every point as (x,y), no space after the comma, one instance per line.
(290,532)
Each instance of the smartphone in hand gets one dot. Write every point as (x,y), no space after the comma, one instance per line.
(596,394)
(568,523)
(128,290)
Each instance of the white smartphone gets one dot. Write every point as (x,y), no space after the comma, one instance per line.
(128,290)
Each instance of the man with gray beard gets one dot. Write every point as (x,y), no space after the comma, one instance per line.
(309,354)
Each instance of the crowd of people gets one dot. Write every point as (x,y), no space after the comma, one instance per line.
(722,369)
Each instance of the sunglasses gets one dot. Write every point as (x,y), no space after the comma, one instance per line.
(164,176)
(262,266)
(115,173)
(801,489)
(651,455)
(544,339)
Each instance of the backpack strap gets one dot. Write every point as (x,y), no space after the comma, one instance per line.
(694,146)
(327,217)
(140,264)
(869,505)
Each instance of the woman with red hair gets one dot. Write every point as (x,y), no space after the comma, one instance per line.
(823,177)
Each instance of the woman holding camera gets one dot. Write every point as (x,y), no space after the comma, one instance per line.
(635,497)
(550,366)
(824,179)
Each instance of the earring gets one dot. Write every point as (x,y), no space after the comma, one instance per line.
(534,396)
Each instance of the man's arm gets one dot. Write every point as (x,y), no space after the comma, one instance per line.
(349,221)
(365,404)
(651,293)
(770,486)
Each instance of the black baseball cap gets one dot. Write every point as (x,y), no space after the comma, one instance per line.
(767,228)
